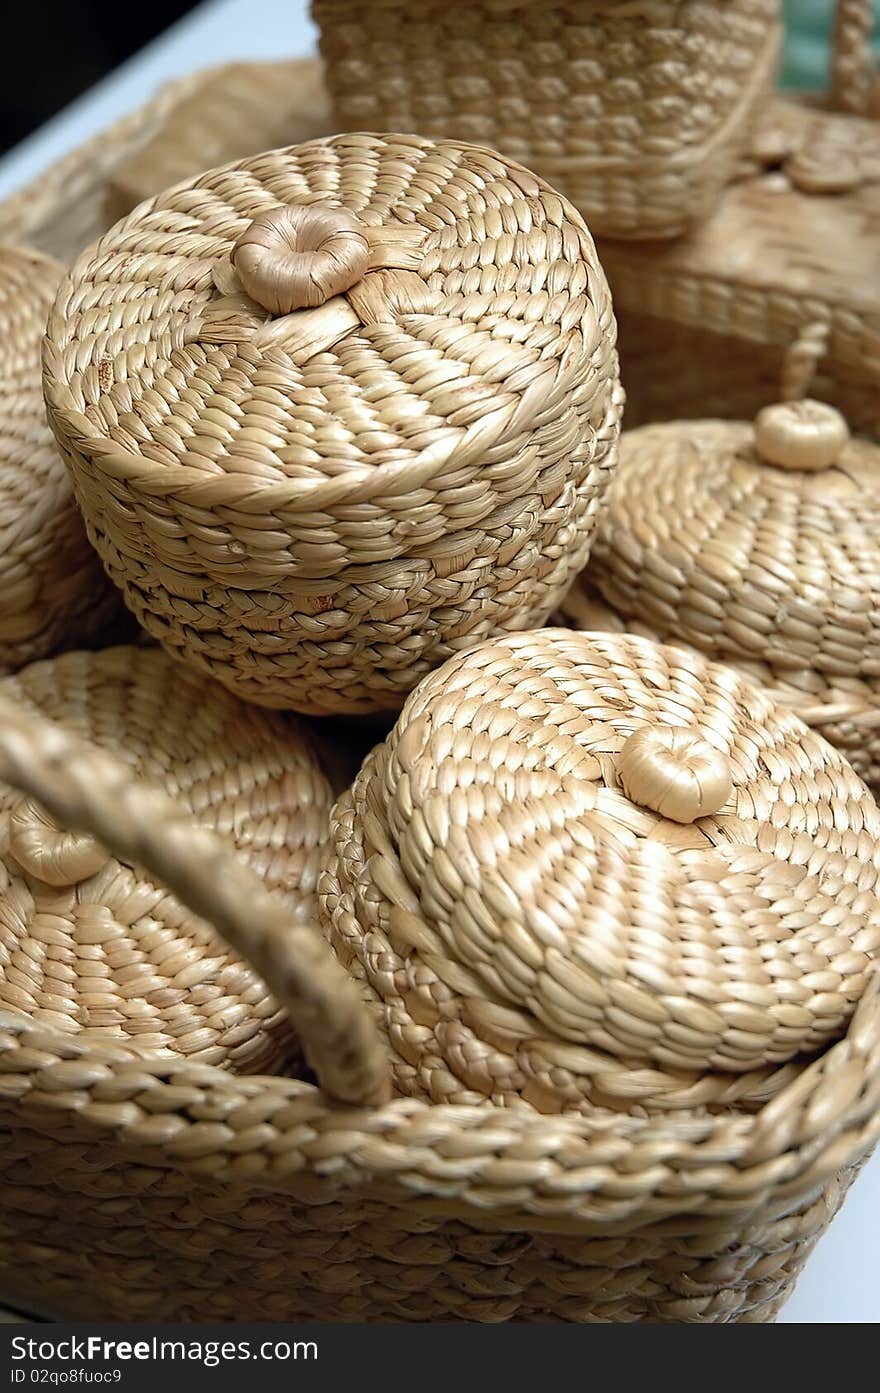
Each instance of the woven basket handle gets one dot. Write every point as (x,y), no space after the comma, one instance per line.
(89,791)
(853,71)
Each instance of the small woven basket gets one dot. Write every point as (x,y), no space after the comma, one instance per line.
(53,591)
(91,947)
(136,1185)
(705,322)
(638,112)
(759,545)
(215,114)
(339,411)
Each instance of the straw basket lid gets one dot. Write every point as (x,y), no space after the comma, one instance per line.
(338,409)
(89,944)
(317,314)
(753,541)
(591,869)
(52,588)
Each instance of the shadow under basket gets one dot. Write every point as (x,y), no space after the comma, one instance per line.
(141,1187)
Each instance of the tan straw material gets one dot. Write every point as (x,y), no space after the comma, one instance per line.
(319,506)
(53,592)
(774,567)
(638,112)
(137,1185)
(588,872)
(207,117)
(705,322)
(91,946)
(233,111)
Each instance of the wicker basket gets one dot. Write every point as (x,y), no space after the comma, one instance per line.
(339,411)
(705,322)
(53,592)
(90,947)
(235,111)
(638,112)
(136,1186)
(173,136)
(759,546)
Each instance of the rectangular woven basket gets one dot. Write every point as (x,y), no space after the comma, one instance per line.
(638,111)
(792,252)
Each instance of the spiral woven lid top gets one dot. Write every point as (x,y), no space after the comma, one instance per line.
(750,541)
(354,303)
(89,944)
(583,855)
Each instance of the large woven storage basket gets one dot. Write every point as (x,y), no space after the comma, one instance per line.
(53,591)
(705,322)
(139,1186)
(746,543)
(339,411)
(212,115)
(638,111)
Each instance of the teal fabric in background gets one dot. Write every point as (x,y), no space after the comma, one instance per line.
(806,58)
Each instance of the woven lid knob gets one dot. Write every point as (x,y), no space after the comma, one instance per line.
(44,851)
(674,773)
(807,435)
(292,258)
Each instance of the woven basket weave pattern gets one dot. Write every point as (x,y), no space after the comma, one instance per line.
(349,506)
(772,570)
(53,593)
(528,931)
(96,949)
(230,111)
(405,1208)
(705,322)
(843,710)
(233,111)
(638,113)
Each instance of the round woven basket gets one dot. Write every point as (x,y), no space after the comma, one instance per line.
(91,946)
(53,592)
(773,567)
(638,112)
(136,1185)
(589,873)
(338,411)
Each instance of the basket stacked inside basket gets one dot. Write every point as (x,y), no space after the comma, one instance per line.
(561,1001)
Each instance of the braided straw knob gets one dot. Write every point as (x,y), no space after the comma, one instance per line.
(674,773)
(805,435)
(48,854)
(292,258)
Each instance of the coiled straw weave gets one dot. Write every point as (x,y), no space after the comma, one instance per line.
(211,115)
(136,1184)
(234,111)
(53,592)
(90,946)
(318,506)
(705,322)
(587,873)
(638,112)
(775,570)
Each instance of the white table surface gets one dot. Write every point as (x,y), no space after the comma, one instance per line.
(841,1283)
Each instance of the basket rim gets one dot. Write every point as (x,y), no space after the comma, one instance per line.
(484,1159)
(364,482)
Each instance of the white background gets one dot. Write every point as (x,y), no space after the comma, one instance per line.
(842,1279)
